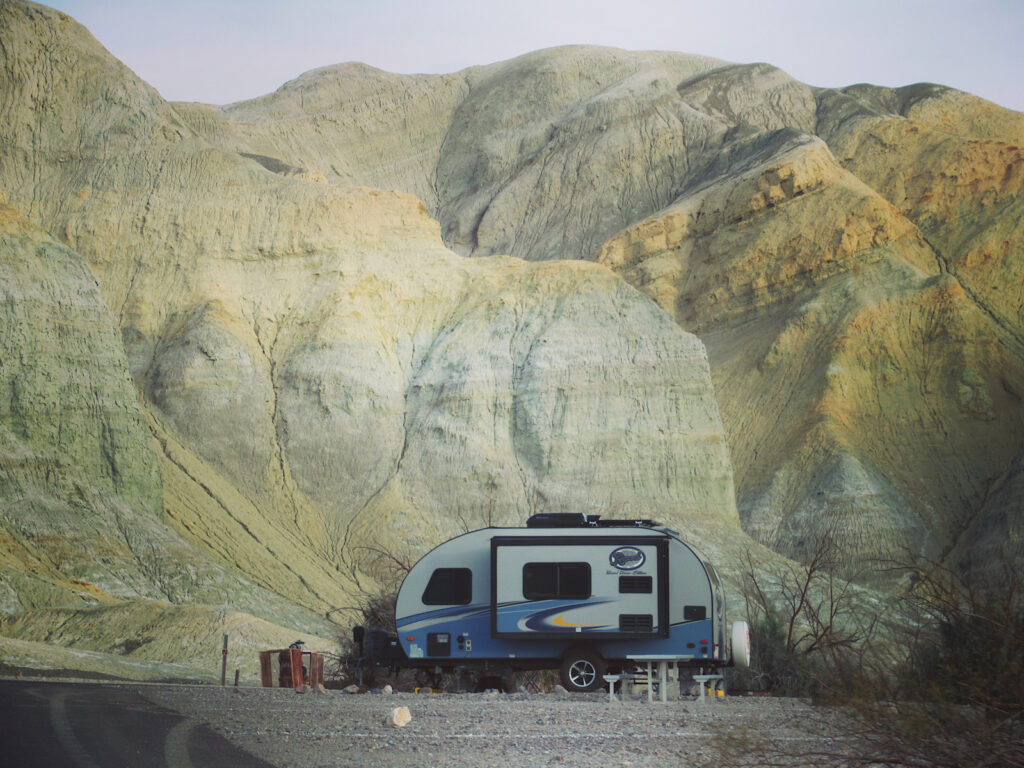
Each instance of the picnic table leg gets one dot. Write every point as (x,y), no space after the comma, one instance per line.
(650,684)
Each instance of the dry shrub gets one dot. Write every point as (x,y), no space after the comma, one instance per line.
(809,628)
(958,699)
(373,608)
(939,684)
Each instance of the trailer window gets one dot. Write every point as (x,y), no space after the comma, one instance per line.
(449,586)
(543,581)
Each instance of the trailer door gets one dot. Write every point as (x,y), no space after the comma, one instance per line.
(560,586)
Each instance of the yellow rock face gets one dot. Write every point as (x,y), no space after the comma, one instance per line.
(861,304)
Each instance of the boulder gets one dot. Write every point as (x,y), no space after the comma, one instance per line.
(399,717)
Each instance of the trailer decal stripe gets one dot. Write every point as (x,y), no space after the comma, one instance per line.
(452,613)
(548,619)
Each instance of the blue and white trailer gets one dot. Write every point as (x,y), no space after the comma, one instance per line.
(568,591)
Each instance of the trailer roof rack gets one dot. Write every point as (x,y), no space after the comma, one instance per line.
(580,520)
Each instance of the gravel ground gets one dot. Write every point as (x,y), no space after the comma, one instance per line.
(479,730)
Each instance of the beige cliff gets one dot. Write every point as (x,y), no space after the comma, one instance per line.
(325,385)
(850,257)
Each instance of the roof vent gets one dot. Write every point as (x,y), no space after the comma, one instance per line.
(561,520)
(580,520)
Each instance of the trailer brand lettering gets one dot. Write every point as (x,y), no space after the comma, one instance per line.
(627,558)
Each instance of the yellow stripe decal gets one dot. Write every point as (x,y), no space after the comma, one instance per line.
(558,621)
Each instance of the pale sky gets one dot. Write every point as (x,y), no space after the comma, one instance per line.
(221,51)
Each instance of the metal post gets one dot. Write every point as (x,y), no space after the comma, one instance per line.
(224,663)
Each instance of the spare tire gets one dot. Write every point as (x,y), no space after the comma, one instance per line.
(740,644)
(582,670)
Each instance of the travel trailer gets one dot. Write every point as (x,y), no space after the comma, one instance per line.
(587,595)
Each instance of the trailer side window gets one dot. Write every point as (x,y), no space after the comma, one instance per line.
(449,586)
(543,581)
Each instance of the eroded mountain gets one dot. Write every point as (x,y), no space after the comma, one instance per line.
(368,311)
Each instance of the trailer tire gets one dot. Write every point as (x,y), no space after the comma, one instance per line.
(582,670)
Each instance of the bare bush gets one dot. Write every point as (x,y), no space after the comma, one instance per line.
(373,608)
(958,699)
(808,630)
(941,687)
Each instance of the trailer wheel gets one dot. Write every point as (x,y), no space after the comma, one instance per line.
(582,670)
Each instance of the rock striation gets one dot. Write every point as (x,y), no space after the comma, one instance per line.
(83,516)
(891,357)
(77,457)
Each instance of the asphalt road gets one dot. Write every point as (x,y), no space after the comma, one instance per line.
(88,725)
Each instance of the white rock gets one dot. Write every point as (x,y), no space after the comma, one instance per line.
(399,717)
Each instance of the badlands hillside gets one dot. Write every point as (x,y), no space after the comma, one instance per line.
(252,355)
